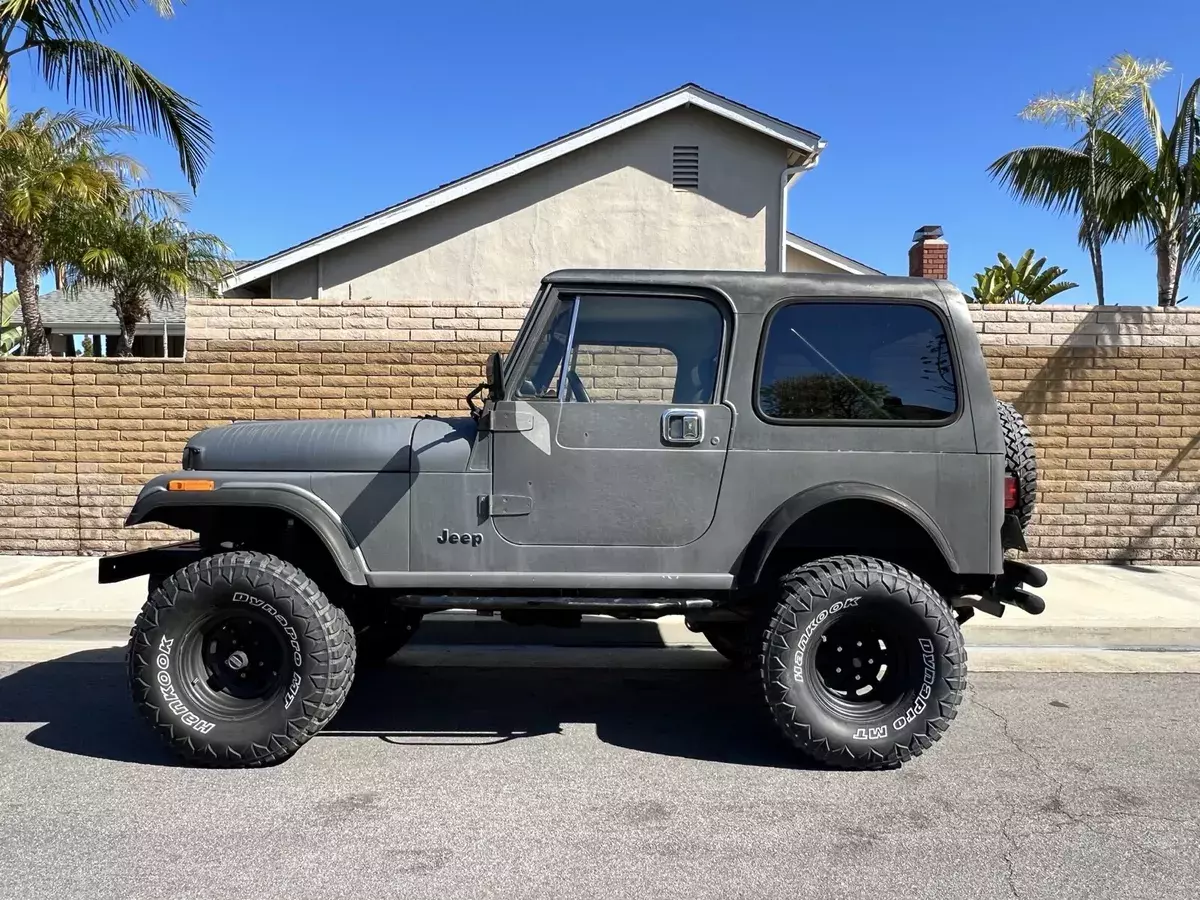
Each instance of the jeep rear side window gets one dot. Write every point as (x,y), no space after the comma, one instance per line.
(851,361)
(629,349)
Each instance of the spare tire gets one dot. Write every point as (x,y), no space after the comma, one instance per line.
(1020,462)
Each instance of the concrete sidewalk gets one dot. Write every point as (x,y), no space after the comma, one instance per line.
(1092,607)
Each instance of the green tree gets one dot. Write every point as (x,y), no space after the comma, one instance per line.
(1071,179)
(62,37)
(52,166)
(1154,184)
(146,259)
(1025,282)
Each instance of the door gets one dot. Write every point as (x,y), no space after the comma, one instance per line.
(615,436)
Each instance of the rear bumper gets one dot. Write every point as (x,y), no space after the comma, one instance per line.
(168,558)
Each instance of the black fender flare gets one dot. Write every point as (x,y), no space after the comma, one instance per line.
(156,500)
(759,550)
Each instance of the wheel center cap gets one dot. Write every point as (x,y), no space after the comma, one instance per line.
(237,660)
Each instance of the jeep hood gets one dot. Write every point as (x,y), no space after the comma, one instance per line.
(326,445)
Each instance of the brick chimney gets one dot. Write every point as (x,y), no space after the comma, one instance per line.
(929,256)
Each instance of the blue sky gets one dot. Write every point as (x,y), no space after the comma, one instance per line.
(321,116)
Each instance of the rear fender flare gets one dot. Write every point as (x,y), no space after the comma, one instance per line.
(155,501)
(791,511)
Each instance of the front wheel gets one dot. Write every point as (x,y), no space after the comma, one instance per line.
(238,659)
(862,663)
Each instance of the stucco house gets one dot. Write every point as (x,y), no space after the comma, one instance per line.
(689,179)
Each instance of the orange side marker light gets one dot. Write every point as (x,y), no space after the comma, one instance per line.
(189,484)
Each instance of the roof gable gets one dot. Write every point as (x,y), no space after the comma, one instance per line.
(805,144)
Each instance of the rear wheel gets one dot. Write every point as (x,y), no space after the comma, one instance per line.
(238,659)
(862,663)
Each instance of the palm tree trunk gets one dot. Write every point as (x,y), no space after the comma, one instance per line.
(128,316)
(1090,222)
(27,289)
(1167,251)
(1095,252)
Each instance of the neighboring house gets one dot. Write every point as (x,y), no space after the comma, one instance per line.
(88,312)
(689,179)
(804,255)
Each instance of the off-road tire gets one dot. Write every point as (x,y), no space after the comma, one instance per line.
(1020,461)
(925,639)
(314,647)
(732,640)
(377,641)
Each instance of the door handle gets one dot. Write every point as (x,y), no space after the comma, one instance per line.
(682,426)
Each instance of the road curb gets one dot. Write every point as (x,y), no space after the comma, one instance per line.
(1046,660)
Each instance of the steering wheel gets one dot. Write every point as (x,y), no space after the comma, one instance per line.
(578,391)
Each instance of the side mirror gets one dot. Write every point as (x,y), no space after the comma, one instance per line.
(495,376)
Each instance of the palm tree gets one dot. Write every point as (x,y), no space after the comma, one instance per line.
(1154,184)
(1030,173)
(145,258)
(52,165)
(62,36)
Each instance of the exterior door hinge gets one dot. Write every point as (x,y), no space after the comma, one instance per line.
(495,505)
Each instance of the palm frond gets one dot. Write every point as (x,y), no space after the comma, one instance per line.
(77,18)
(1054,177)
(113,85)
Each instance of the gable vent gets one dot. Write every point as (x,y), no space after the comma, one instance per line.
(685,168)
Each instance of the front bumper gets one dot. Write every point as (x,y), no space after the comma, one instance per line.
(168,558)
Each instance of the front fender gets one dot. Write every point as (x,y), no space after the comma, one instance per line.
(155,503)
(754,560)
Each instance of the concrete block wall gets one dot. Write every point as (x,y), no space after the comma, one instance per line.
(1111,395)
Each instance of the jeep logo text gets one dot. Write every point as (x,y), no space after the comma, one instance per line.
(452,537)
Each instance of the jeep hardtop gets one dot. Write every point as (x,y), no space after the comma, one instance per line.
(813,470)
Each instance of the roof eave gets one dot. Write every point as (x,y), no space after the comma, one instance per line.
(837,260)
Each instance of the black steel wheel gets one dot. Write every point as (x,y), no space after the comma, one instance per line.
(862,663)
(236,660)
(861,666)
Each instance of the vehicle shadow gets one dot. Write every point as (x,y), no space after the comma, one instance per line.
(80,704)
(707,714)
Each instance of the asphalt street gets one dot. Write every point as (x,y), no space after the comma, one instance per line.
(454,782)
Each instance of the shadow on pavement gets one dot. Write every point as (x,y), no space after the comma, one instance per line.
(83,705)
(698,714)
(83,701)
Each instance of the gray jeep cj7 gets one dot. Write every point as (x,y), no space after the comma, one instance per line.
(812,470)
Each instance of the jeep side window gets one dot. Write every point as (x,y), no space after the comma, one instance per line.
(847,361)
(635,349)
